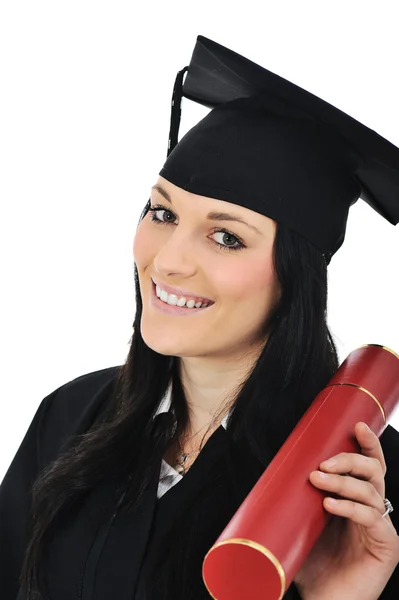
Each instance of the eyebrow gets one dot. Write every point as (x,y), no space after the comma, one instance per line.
(212,216)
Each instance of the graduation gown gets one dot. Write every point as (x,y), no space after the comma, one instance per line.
(126,555)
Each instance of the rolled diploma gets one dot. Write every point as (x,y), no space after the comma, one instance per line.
(264,545)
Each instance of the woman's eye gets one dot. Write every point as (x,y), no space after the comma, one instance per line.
(159,209)
(225,235)
(156,217)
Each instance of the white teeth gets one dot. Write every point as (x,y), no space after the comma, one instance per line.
(181,301)
(171,299)
(174,300)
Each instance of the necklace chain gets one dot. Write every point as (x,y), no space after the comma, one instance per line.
(180,468)
(184,455)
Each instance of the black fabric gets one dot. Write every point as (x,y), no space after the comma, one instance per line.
(277,149)
(66,412)
(191,515)
(127,556)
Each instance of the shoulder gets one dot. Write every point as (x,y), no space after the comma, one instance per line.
(67,411)
(71,409)
(78,393)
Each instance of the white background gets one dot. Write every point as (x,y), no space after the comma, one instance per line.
(84,119)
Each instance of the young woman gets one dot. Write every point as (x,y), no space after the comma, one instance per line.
(127,476)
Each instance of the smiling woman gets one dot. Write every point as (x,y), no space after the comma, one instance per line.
(186,251)
(127,476)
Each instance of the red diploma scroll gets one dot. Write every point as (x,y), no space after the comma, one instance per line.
(262,548)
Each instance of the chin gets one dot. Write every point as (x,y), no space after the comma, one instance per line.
(165,345)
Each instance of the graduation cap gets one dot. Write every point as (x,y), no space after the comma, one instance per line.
(275,148)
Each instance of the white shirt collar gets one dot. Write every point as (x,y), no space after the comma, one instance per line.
(166,402)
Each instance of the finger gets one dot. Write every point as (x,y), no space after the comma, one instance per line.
(380,528)
(349,488)
(370,444)
(360,466)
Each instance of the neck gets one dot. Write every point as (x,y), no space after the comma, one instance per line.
(209,387)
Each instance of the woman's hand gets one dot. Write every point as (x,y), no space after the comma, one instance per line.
(359,549)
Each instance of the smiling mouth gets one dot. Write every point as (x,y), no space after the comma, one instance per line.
(173,308)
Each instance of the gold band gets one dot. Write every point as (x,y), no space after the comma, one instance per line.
(383,347)
(365,391)
(259,548)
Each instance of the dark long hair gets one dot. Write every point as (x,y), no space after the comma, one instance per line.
(296,362)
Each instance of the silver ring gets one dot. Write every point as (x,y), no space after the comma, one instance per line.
(388,506)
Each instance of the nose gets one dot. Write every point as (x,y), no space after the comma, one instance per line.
(176,255)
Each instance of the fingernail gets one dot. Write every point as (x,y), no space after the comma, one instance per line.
(331,501)
(331,462)
(322,475)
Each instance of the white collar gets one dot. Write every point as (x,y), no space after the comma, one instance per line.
(166,402)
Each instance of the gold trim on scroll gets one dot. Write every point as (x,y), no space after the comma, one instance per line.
(276,563)
(359,387)
(383,347)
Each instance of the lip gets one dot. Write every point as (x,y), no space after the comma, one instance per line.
(182,292)
(169,309)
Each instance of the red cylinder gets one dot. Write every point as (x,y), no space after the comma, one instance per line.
(264,545)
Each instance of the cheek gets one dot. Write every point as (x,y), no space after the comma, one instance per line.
(249,280)
(143,247)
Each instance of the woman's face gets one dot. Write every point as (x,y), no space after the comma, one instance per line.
(182,252)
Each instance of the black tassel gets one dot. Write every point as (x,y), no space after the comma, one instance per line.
(176,111)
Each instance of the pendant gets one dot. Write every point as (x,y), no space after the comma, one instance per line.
(180,466)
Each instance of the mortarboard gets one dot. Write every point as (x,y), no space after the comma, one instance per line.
(275,148)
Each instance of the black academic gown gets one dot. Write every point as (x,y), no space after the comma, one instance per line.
(126,556)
